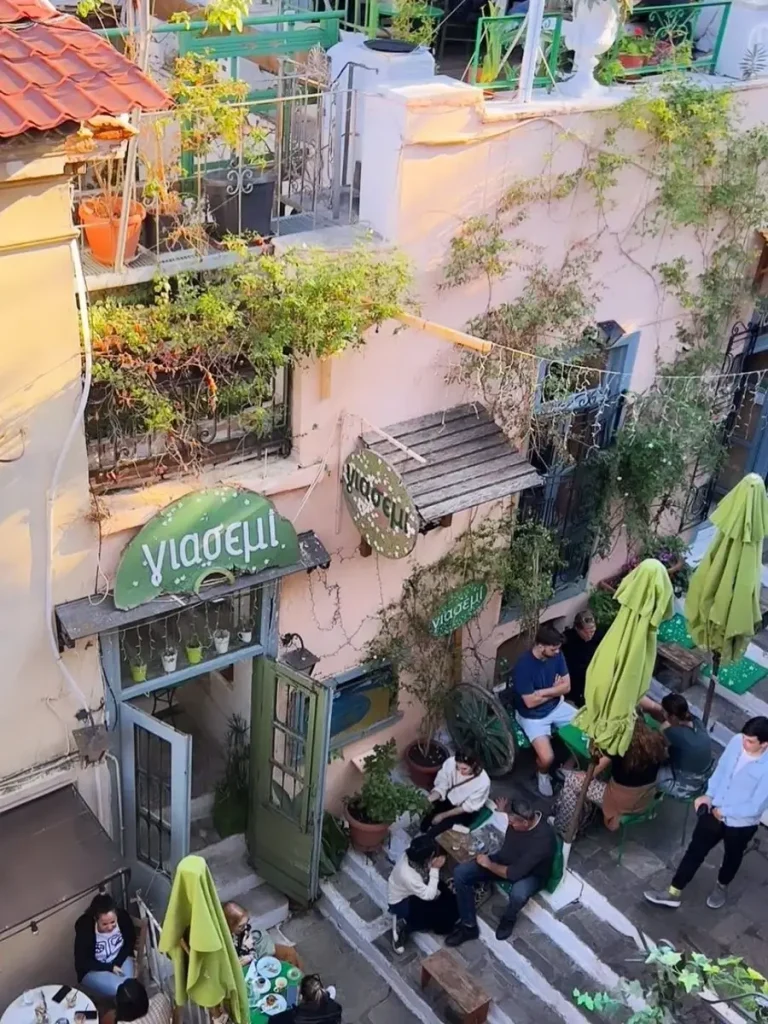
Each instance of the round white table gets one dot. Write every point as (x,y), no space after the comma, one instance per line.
(19,1012)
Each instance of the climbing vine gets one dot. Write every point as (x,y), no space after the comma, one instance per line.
(707,178)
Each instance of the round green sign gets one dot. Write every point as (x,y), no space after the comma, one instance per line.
(458,608)
(221,531)
(379,504)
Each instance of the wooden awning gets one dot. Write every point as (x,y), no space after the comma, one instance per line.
(469,461)
(89,616)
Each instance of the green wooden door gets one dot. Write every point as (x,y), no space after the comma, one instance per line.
(290,729)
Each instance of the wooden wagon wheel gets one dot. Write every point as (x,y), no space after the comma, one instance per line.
(478,722)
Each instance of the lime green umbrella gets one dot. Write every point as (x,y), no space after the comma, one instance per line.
(723,602)
(620,672)
(195,936)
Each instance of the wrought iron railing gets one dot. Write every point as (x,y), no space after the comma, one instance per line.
(499,42)
(121,454)
(159,967)
(670,41)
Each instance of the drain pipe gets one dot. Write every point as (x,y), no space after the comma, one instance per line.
(77,420)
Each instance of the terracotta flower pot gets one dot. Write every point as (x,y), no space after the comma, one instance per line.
(423,770)
(365,838)
(632,61)
(100,218)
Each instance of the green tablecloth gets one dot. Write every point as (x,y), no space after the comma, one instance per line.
(257,1017)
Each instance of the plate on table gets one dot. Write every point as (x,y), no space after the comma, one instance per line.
(272,1004)
(268,967)
(257,981)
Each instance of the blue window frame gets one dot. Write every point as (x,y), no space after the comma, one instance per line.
(364,700)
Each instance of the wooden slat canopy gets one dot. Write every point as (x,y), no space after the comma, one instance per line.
(469,460)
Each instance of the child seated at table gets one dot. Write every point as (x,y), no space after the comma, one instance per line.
(252,943)
(132,1004)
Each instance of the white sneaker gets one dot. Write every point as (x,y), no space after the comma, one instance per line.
(545,784)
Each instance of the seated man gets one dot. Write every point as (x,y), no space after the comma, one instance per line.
(540,681)
(525,859)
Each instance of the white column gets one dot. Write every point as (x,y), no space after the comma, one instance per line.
(535,18)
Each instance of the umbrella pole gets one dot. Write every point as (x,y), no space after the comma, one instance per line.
(711,690)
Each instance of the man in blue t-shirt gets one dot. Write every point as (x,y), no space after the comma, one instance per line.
(539,682)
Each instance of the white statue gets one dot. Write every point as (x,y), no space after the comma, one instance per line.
(590,34)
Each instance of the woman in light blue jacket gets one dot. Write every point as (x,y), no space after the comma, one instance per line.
(736,799)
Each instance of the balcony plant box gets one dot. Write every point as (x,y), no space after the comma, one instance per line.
(100,217)
(240,199)
(610,585)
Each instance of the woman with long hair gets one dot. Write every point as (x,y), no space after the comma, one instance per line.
(104,945)
(317,1004)
(629,790)
(459,791)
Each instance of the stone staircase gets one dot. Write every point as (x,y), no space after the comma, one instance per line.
(236,880)
(530,977)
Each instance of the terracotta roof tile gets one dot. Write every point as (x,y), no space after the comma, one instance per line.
(54,69)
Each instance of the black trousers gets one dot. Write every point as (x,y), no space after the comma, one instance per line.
(708,833)
(465,818)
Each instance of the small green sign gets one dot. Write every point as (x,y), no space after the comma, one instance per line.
(459,607)
(379,504)
(222,530)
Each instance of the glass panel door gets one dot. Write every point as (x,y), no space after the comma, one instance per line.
(155,765)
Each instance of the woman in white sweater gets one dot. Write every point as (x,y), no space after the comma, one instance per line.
(414,880)
(460,790)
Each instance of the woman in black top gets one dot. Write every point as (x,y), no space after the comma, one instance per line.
(630,788)
(316,1005)
(104,945)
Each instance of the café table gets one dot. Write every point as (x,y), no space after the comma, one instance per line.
(288,971)
(23,1012)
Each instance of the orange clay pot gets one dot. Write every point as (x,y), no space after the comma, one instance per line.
(100,218)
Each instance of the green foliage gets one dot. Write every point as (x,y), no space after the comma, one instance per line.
(678,984)
(381,800)
(412,23)
(533,558)
(226,15)
(206,344)
(637,46)
(231,797)
(335,844)
(604,607)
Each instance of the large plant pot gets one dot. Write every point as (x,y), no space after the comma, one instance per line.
(365,838)
(240,199)
(423,770)
(632,61)
(158,227)
(100,218)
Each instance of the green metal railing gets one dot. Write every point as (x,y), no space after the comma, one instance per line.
(498,44)
(668,43)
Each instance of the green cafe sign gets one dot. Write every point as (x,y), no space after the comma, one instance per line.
(221,531)
(379,504)
(458,608)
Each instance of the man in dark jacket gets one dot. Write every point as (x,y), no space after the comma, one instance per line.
(525,859)
(105,940)
(581,642)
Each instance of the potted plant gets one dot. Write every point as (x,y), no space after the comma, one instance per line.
(230,801)
(221,640)
(413,24)
(100,214)
(194,650)
(380,801)
(604,607)
(169,658)
(634,51)
(217,129)
(138,667)
(245,633)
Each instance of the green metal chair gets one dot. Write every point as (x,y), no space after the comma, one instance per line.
(630,820)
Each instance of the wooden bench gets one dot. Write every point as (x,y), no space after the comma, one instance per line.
(447,972)
(684,662)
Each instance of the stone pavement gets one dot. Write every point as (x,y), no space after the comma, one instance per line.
(364,996)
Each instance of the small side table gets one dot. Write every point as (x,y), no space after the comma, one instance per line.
(452,977)
(683,661)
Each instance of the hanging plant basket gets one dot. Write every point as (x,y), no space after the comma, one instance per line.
(194,652)
(221,641)
(139,671)
(169,659)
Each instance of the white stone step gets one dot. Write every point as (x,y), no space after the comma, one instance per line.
(267,907)
(228,862)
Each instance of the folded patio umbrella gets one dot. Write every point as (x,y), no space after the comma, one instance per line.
(196,938)
(723,602)
(621,669)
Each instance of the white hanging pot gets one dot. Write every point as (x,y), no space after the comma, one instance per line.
(221,641)
(169,659)
(245,635)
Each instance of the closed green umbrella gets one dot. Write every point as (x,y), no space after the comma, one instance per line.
(196,937)
(723,602)
(620,672)
(621,669)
